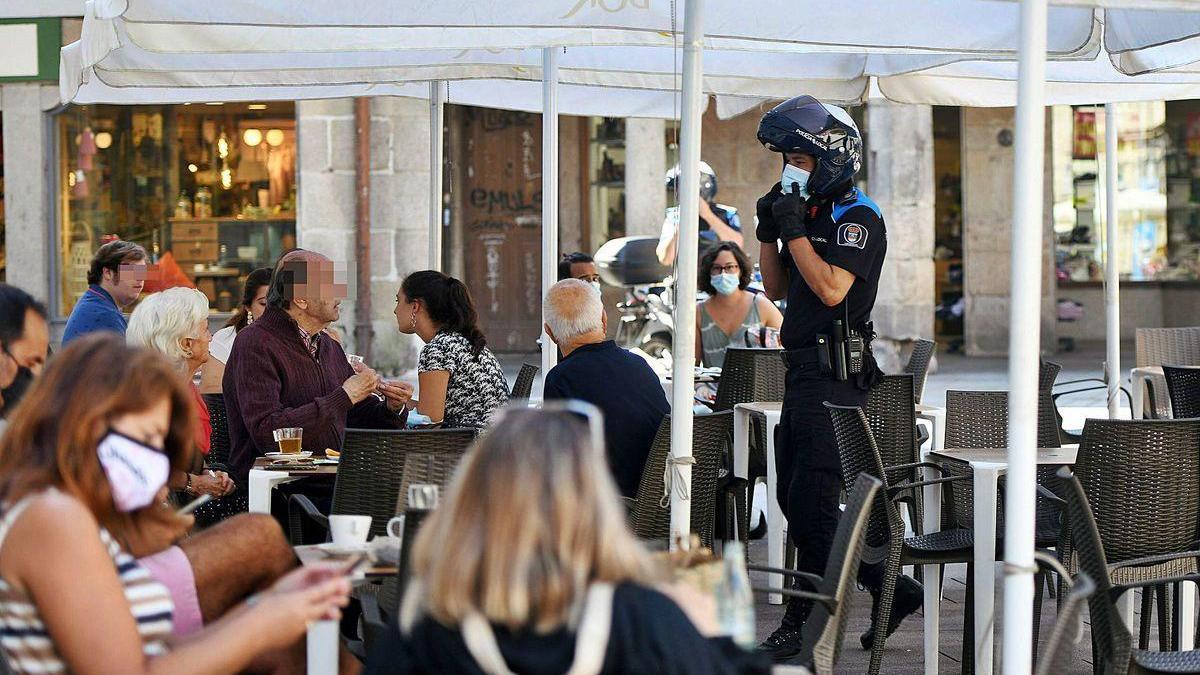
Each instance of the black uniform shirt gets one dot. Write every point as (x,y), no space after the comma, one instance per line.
(848,233)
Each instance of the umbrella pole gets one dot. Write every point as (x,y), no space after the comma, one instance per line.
(1023,342)
(436,166)
(549,191)
(683,347)
(1112,278)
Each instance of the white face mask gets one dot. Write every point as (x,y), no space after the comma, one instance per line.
(135,471)
(725,283)
(793,174)
(595,286)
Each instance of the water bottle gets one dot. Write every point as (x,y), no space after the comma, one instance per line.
(735,599)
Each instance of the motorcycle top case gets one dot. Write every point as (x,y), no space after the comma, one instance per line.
(630,261)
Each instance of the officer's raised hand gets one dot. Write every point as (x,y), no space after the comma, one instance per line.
(768,230)
(788,211)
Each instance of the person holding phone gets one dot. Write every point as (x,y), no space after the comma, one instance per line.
(83,473)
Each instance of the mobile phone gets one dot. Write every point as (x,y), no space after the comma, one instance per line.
(194,504)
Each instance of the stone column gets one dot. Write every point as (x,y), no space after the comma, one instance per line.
(645,165)
(399,206)
(29,229)
(987,179)
(899,146)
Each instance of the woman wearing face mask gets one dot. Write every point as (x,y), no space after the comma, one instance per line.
(462,383)
(83,470)
(731,312)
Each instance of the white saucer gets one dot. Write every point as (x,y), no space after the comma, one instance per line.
(288,455)
(331,548)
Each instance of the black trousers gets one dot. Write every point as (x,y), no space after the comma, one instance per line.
(807,462)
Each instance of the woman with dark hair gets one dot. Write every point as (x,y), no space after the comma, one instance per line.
(254,301)
(461,382)
(83,471)
(732,315)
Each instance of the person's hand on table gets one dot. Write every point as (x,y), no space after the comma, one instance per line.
(397,394)
(700,608)
(157,528)
(361,384)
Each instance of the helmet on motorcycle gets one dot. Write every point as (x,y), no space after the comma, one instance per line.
(708,181)
(804,124)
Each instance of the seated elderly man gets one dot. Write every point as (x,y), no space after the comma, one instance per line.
(596,370)
(284,371)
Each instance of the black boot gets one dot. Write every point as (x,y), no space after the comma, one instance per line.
(787,640)
(909,598)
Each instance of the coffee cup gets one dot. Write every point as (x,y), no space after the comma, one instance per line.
(395,526)
(350,530)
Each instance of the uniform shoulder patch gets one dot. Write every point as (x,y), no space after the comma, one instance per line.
(852,235)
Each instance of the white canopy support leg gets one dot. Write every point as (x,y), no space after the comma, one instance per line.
(1112,277)
(436,165)
(683,347)
(549,191)
(1023,342)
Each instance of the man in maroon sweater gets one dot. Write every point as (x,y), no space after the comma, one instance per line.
(285,372)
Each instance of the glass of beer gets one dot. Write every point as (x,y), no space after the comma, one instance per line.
(289,439)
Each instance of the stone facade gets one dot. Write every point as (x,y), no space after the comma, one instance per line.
(987,171)
(28,186)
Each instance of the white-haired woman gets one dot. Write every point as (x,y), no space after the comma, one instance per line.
(174,322)
(500,590)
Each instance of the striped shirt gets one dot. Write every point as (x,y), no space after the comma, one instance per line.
(27,645)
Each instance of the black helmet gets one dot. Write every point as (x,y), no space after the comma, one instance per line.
(804,124)
(708,181)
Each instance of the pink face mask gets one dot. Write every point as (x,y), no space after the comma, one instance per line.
(135,471)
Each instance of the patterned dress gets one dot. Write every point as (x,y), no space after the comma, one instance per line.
(26,643)
(477,387)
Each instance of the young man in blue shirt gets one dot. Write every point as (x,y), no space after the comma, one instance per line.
(115,279)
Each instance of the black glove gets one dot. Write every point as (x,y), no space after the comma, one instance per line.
(767,230)
(789,216)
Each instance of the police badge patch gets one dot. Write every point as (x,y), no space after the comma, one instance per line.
(852,235)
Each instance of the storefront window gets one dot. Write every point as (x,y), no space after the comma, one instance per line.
(1158,184)
(208,190)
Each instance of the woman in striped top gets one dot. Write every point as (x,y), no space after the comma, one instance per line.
(83,468)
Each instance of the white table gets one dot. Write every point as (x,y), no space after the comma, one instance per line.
(1140,378)
(936,416)
(986,467)
(776,524)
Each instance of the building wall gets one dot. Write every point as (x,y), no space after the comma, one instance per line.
(745,169)
(399,207)
(29,189)
(987,168)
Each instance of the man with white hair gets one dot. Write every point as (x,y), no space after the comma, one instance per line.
(594,369)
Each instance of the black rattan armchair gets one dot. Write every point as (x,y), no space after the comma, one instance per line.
(218,459)
(1059,656)
(1183,385)
(1112,644)
(831,594)
(885,543)
(652,509)
(1142,483)
(892,415)
(433,462)
(918,366)
(372,474)
(523,386)
(749,375)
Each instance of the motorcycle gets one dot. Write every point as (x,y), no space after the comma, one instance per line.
(646,321)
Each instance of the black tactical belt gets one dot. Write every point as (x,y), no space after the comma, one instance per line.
(795,358)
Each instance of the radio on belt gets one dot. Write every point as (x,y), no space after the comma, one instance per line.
(841,354)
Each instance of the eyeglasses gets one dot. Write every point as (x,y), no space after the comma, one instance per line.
(731,268)
(585,412)
(589,278)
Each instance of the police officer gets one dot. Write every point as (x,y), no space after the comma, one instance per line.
(718,222)
(833,246)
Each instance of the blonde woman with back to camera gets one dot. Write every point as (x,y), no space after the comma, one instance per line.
(551,582)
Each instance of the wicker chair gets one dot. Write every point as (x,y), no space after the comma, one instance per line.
(1183,384)
(885,542)
(218,459)
(1112,644)
(893,418)
(1162,346)
(373,471)
(831,593)
(710,442)
(1142,483)
(523,387)
(748,375)
(1059,656)
(918,365)
(433,462)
